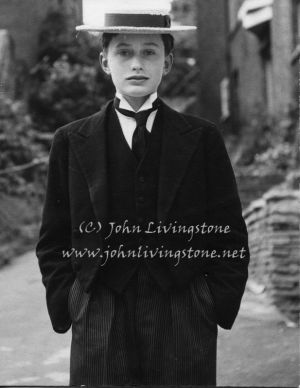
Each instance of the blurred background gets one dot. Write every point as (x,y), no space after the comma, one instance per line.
(240,70)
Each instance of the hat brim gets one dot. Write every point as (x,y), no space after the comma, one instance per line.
(136,30)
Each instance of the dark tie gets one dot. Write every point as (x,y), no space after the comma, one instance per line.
(140,135)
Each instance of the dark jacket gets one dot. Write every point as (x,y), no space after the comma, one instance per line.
(196,185)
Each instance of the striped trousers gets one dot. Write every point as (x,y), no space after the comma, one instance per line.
(144,336)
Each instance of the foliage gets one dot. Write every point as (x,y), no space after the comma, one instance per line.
(181,80)
(57,38)
(277,158)
(274,147)
(68,91)
(18,146)
(67,83)
(21,191)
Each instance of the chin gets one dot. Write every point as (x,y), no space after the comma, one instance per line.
(143,93)
(139,92)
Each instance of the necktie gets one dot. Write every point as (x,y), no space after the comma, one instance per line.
(140,135)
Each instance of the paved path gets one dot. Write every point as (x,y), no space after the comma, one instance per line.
(259,350)
(30,351)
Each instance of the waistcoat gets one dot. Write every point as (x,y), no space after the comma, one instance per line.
(133,189)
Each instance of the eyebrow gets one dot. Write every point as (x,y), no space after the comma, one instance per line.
(151,44)
(123,44)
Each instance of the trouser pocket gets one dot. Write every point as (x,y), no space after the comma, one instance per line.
(77,301)
(203,296)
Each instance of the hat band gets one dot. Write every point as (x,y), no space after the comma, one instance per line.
(136,20)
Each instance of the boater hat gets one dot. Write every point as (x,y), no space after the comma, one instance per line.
(136,21)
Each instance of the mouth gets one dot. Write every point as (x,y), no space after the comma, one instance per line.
(137,78)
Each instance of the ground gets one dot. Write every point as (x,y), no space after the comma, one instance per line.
(260,350)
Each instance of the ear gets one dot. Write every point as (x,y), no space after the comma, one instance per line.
(104,62)
(168,63)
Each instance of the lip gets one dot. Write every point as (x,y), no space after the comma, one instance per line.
(137,78)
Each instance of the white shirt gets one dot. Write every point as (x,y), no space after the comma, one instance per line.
(128,124)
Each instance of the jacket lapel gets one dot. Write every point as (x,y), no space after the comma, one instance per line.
(89,145)
(179,142)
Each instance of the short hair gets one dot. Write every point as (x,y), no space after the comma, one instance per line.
(168,41)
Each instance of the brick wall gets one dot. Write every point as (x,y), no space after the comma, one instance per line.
(273,226)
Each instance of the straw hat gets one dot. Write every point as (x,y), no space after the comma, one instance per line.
(131,19)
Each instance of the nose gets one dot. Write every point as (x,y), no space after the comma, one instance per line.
(136,63)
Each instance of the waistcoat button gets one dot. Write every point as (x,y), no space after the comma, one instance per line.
(140,220)
(141,199)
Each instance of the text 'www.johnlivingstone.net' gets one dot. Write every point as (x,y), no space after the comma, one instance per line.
(145,252)
(149,252)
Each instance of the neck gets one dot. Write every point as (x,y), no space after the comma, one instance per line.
(136,102)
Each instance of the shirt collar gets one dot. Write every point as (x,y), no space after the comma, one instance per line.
(147,104)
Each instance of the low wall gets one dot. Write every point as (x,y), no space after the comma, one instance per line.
(273,225)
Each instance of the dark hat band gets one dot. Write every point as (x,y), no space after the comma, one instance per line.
(137,20)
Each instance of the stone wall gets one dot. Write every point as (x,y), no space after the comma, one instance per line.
(274,241)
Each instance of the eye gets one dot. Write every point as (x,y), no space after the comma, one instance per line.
(124,52)
(149,52)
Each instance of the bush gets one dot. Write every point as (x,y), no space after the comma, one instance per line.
(18,146)
(67,83)
(67,92)
(267,143)
(275,159)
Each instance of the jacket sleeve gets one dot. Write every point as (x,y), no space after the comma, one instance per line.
(228,272)
(55,236)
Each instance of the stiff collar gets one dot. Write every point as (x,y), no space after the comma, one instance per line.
(147,104)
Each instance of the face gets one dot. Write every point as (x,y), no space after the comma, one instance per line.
(136,63)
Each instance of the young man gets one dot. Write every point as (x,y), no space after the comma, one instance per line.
(143,248)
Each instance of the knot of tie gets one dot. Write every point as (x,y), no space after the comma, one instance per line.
(142,117)
(140,135)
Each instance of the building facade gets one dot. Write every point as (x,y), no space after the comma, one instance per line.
(262,48)
(23,19)
(249,62)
